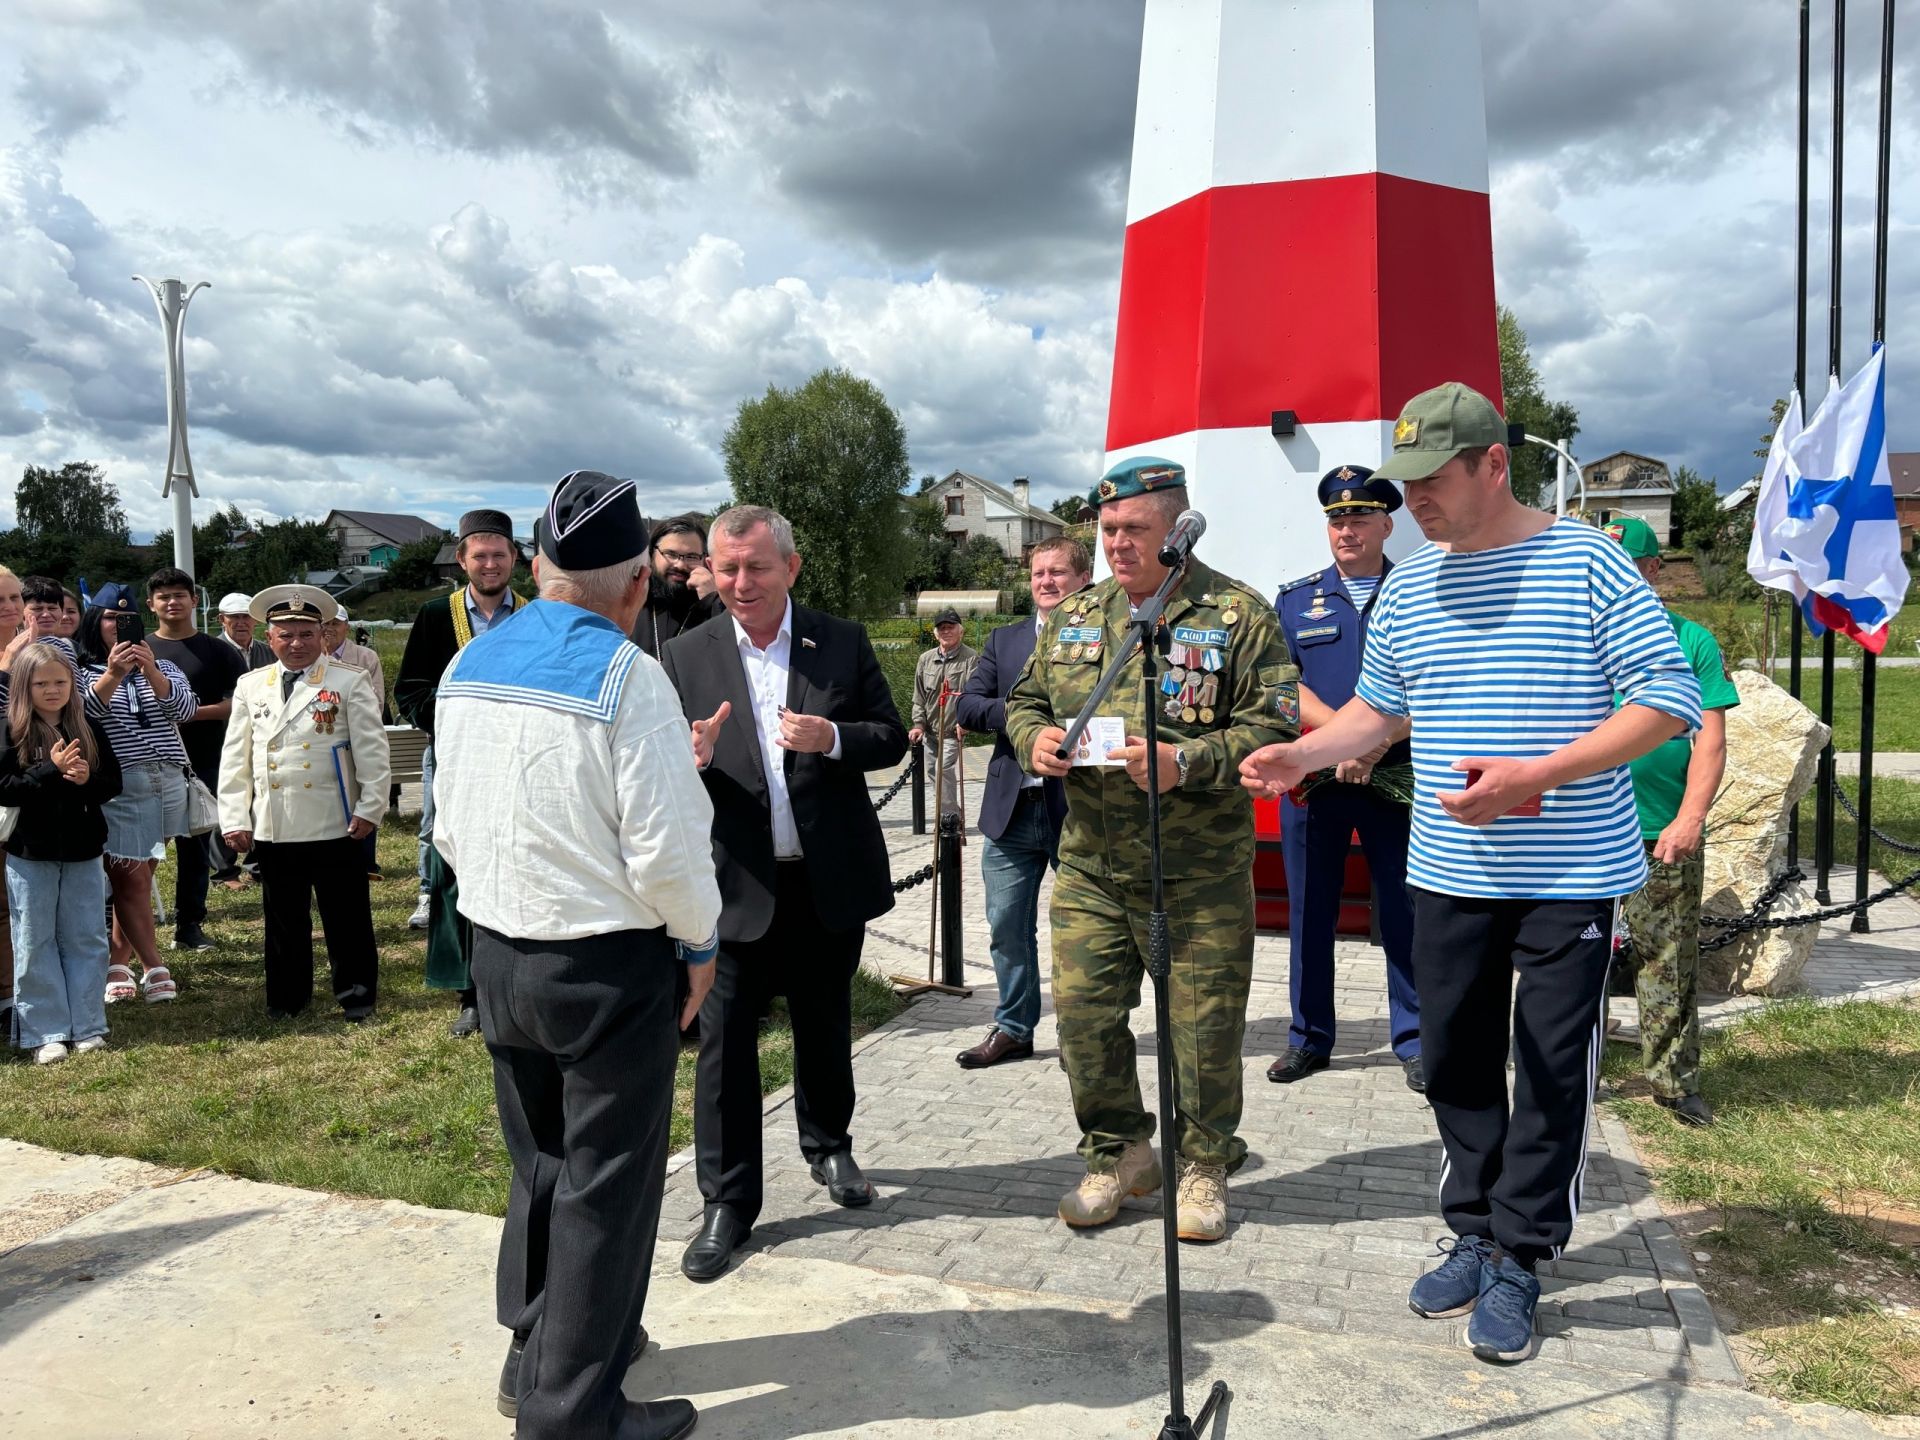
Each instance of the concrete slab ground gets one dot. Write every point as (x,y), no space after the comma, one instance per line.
(138,1302)
(186,1307)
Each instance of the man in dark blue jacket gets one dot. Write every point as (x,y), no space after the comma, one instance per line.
(1020,814)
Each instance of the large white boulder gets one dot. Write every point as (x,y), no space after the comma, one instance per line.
(1773,751)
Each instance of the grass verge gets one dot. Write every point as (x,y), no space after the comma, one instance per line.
(394,1109)
(1804,1197)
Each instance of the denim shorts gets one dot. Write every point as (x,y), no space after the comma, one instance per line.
(150,809)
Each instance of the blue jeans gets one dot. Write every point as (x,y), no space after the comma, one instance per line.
(426,811)
(59,949)
(1011,869)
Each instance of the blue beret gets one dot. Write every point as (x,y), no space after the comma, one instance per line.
(1352,490)
(1140,475)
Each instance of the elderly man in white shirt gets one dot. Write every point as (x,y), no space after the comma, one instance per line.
(567,801)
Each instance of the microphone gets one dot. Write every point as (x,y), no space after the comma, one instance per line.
(1181,539)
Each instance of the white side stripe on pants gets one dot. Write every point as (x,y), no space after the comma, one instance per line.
(1596,1043)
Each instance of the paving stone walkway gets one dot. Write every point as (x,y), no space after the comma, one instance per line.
(1332,1217)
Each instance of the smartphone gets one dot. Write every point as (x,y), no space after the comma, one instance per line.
(127,629)
(1525,807)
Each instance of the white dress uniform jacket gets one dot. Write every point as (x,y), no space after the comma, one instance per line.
(285,775)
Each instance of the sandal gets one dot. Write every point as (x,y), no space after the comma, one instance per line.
(157,984)
(120,984)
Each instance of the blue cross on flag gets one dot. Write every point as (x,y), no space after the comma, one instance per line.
(1824,528)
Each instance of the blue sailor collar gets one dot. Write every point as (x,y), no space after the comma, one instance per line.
(554,655)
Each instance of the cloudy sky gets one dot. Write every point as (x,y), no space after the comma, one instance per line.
(459,247)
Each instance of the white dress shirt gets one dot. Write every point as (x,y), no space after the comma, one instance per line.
(767,675)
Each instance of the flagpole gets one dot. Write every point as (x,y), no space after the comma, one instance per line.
(1868,660)
(1823,811)
(1798,623)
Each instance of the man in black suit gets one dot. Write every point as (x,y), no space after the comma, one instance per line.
(1021,814)
(789,712)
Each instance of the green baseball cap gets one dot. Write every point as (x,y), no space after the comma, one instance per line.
(1635,536)
(1437,425)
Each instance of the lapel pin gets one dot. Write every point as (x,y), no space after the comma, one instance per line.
(806,644)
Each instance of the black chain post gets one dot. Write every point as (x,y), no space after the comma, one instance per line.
(918,763)
(952,935)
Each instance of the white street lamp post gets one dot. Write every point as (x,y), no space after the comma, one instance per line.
(170,299)
(1562,463)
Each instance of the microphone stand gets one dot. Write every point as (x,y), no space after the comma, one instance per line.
(1143,635)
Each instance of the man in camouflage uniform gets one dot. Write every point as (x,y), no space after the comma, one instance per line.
(1226,688)
(1673,788)
(939,676)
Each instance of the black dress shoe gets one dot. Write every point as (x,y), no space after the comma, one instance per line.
(1688,1110)
(358,1015)
(508,1399)
(1416,1074)
(1296,1064)
(466,1023)
(845,1184)
(711,1251)
(657,1420)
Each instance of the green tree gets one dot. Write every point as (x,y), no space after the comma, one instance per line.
(930,550)
(1528,406)
(282,551)
(981,564)
(412,568)
(1696,508)
(1774,417)
(77,499)
(831,456)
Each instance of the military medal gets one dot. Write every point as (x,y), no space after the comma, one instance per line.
(1230,616)
(326,709)
(1077,651)
(1188,714)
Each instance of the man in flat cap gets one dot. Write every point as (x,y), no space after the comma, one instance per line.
(569,801)
(1505,642)
(938,678)
(236,628)
(442,629)
(681,594)
(303,779)
(1226,690)
(1324,619)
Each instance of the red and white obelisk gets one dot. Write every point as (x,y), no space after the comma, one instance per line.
(1307,231)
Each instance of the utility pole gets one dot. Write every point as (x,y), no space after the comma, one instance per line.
(170,300)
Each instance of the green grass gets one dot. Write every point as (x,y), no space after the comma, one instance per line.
(393,1109)
(1896,812)
(1808,1182)
(1740,626)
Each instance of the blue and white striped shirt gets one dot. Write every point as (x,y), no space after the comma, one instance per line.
(1517,652)
(139,724)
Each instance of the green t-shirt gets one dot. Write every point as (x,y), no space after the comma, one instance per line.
(1660,776)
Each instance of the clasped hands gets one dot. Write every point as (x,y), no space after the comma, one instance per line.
(805,734)
(70,760)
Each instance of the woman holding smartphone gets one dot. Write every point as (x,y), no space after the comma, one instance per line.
(145,700)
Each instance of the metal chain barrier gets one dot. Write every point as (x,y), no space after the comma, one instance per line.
(899,784)
(1900,847)
(918,877)
(1757,918)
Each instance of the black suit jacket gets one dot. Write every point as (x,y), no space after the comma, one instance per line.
(832,673)
(983,706)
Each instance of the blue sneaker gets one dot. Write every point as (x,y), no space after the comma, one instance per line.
(1502,1324)
(1454,1287)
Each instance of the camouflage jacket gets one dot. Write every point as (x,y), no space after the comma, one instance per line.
(1240,664)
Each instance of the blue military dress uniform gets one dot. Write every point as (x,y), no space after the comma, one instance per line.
(1325,630)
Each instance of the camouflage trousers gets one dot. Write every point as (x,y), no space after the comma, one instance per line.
(1099,958)
(1664,921)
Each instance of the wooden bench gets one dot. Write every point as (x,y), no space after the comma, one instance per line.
(406,748)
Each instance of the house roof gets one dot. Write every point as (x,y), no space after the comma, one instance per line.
(1004,496)
(1904,467)
(400,529)
(1606,477)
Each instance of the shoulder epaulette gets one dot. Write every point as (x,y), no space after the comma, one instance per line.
(1312,579)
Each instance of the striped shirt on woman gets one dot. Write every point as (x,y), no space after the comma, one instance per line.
(1516,652)
(139,724)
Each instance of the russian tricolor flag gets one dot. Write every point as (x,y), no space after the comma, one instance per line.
(1824,527)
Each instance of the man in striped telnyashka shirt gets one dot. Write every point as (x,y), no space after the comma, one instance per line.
(1504,641)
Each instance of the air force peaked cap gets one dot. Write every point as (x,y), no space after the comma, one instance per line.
(591,521)
(1355,490)
(294,602)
